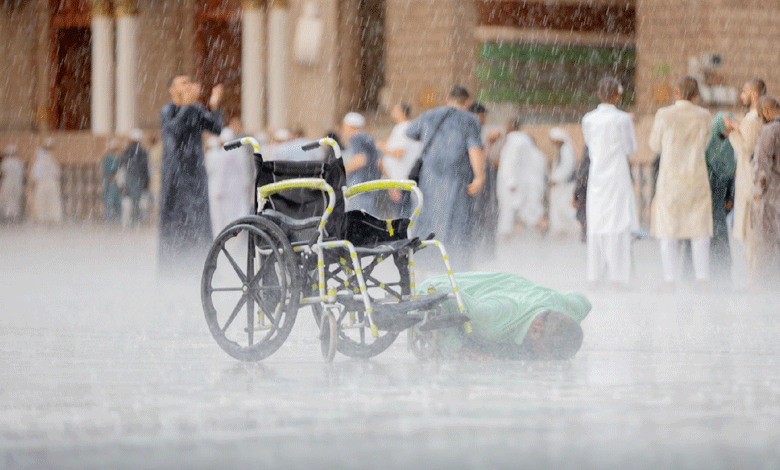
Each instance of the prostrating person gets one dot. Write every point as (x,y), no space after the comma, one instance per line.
(682,206)
(610,202)
(185,222)
(511,318)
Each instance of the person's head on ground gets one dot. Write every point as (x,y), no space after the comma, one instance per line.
(514,123)
(479,110)
(459,98)
(353,123)
(553,336)
(401,112)
(768,109)
(609,90)
(752,91)
(183,90)
(687,89)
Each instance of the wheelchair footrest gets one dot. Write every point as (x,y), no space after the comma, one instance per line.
(447,320)
(424,302)
(395,321)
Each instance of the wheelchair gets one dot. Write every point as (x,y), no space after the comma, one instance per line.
(301,248)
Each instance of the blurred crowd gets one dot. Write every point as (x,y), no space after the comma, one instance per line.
(715,210)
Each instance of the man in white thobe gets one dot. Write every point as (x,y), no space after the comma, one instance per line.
(228,172)
(521,180)
(682,206)
(563,219)
(46,176)
(11,185)
(610,202)
(744,143)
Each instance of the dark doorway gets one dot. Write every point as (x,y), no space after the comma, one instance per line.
(371,17)
(219,61)
(72,72)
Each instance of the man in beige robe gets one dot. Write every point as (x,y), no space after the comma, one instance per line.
(765,207)
(682,206)
(743,136)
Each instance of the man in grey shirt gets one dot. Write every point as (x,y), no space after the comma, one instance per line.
(453,173)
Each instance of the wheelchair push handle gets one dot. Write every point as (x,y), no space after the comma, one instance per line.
(324,141)
(250,141)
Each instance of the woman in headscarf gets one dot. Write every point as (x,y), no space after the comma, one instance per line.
(720,167)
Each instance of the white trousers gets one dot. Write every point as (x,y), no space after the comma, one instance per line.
(700,248)
(610,252)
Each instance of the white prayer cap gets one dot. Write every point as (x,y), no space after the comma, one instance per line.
(556,133)
(10,149)
(48,142)
(282,135)
(355,120)
(136,135)
(113,144)
(261,137)
(227,134)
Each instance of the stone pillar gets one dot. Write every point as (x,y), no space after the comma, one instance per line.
(102,64)
(126,65)
(42,67)
(252,66)
(277,64)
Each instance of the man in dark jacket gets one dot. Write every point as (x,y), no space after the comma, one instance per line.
(185,227)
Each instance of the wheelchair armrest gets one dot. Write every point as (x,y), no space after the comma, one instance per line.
(376,185)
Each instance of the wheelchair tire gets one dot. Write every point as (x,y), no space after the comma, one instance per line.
(359,343)
(328,336)
(250,245)
(423,344)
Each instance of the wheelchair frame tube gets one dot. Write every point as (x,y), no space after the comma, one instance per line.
(446,259)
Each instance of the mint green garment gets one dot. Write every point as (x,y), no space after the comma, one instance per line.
(501,306)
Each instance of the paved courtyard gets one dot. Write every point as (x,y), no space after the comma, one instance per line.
(103,366)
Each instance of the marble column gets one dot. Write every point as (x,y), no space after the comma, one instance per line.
(252,66)
(277,64)
(102,65)
(126,65)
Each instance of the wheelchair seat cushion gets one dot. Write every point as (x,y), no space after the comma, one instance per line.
(365,230)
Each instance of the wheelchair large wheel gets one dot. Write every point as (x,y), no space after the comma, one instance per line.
(250,289)
(358,342)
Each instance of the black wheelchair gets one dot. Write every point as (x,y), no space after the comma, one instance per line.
(302,248)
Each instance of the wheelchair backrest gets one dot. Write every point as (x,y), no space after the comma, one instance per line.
(304,203)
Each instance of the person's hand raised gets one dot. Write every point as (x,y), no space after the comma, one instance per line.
(216,96)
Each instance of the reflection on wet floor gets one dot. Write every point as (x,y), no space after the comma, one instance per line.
(105,367)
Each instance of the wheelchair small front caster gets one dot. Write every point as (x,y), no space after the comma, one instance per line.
(329,336)
(423,344)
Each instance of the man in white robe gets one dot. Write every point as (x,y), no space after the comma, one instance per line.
(682,206)
(228,181)
(521,181)
(610,202)
(11,185)
(46,177)
(563,219)
(744,142)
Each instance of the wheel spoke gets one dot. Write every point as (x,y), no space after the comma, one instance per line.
(234,313)
(259,301)
(233,263)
